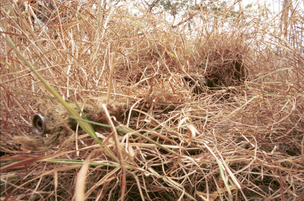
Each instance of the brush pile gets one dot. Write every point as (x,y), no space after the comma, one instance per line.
(215,112)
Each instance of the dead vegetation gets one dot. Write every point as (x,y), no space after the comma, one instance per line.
(211,114)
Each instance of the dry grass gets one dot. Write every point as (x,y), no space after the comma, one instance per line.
(239,139)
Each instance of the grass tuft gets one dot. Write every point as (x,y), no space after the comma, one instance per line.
(209,108)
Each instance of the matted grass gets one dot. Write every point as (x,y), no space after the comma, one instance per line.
(215,113)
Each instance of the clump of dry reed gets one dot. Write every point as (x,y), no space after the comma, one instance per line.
(242,140)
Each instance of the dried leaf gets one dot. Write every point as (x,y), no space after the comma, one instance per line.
(80,183)
(192,132)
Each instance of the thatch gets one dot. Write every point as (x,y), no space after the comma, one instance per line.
(212,113)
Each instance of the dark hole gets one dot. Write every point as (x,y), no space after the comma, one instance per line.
(2,153)
(293,151)
(39,125)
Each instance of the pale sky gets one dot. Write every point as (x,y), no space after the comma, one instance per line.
(274,5)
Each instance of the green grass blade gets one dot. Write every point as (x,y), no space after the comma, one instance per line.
(84,125)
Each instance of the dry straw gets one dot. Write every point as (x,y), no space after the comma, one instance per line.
(214,112)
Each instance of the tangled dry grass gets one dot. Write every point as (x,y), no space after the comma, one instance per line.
(240,137)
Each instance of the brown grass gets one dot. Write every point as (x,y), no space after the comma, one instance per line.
(241,138)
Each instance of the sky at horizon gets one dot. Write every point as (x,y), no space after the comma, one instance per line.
(274,5)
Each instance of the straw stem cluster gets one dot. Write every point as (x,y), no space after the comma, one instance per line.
(212,106)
